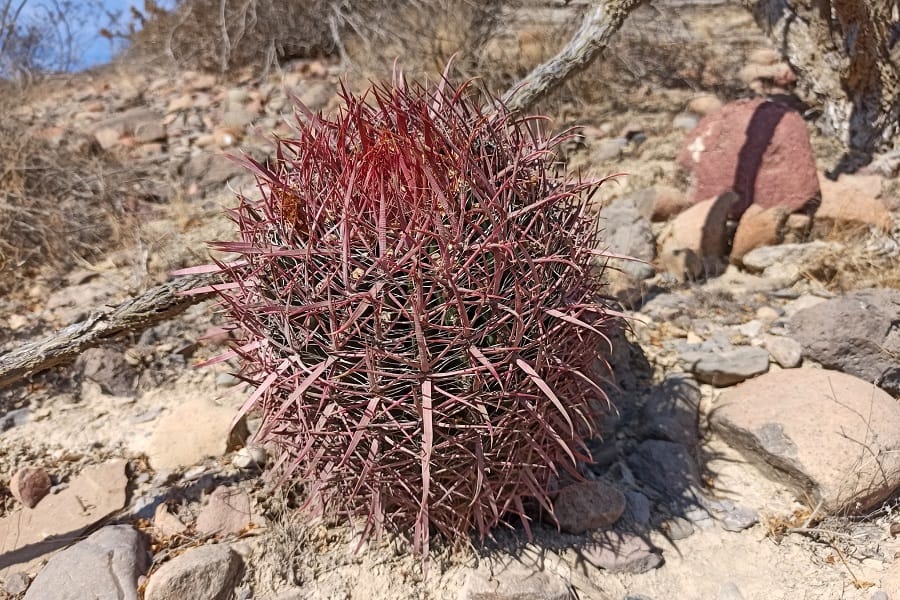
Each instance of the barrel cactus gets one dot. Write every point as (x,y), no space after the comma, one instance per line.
(418,305)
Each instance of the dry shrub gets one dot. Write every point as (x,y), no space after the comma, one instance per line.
(863,259)
(58,203)
(423,35)
(220,35)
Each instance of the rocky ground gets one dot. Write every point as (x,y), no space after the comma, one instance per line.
(754,453)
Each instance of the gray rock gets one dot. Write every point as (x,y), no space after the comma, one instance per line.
(621,553)
(802,302)
(786,351)
(669,469)
(130,121)
(317,94)
(685,121)
(628,233)
(729,367)
(880,595)
(16,583)
(238,118)
(150,131)
(249,458)
(227,512)
(738,518)
(637,508)
(679,528)
(203,573)
(671,411)
(799,255)
(751,329)
(588,505)
(105,566)
(699,517)
(824,433)
(858,333)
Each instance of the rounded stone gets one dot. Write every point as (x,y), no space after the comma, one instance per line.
(29,485)
(588,505)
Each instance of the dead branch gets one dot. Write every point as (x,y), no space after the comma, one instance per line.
(592,37)
(134,315)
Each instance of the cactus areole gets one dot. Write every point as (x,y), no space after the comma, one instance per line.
(418,305)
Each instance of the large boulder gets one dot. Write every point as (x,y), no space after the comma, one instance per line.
(857,333)
(105,566)
(823,433)
(757,148)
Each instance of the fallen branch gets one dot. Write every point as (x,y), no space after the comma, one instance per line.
(153,306)
(168,299)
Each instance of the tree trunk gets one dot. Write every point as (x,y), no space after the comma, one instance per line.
(593,36)
(841,51)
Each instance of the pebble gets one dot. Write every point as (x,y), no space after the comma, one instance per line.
(587,505)
(194,473)
(249,457)
(752,329)
(637,508)
(29,485)
(14,418)
(16,583)
(729,367)
(738,519)
(227,512)
(685,121)
(226,380)
(209,572)
(767,314)
(679,528)
(786,351)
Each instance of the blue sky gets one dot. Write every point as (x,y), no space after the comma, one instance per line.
(95,49)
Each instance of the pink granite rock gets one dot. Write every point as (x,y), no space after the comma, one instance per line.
(757,148)
(758,227)
(29,485)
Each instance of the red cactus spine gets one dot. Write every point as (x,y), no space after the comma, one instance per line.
(419,311)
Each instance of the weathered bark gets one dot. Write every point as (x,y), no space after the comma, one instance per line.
(167,300)
(155,305)
(841,51)
(592,37)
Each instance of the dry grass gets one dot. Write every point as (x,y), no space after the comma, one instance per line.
(60,203)
(863,259)
(218,36)
(214,35)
